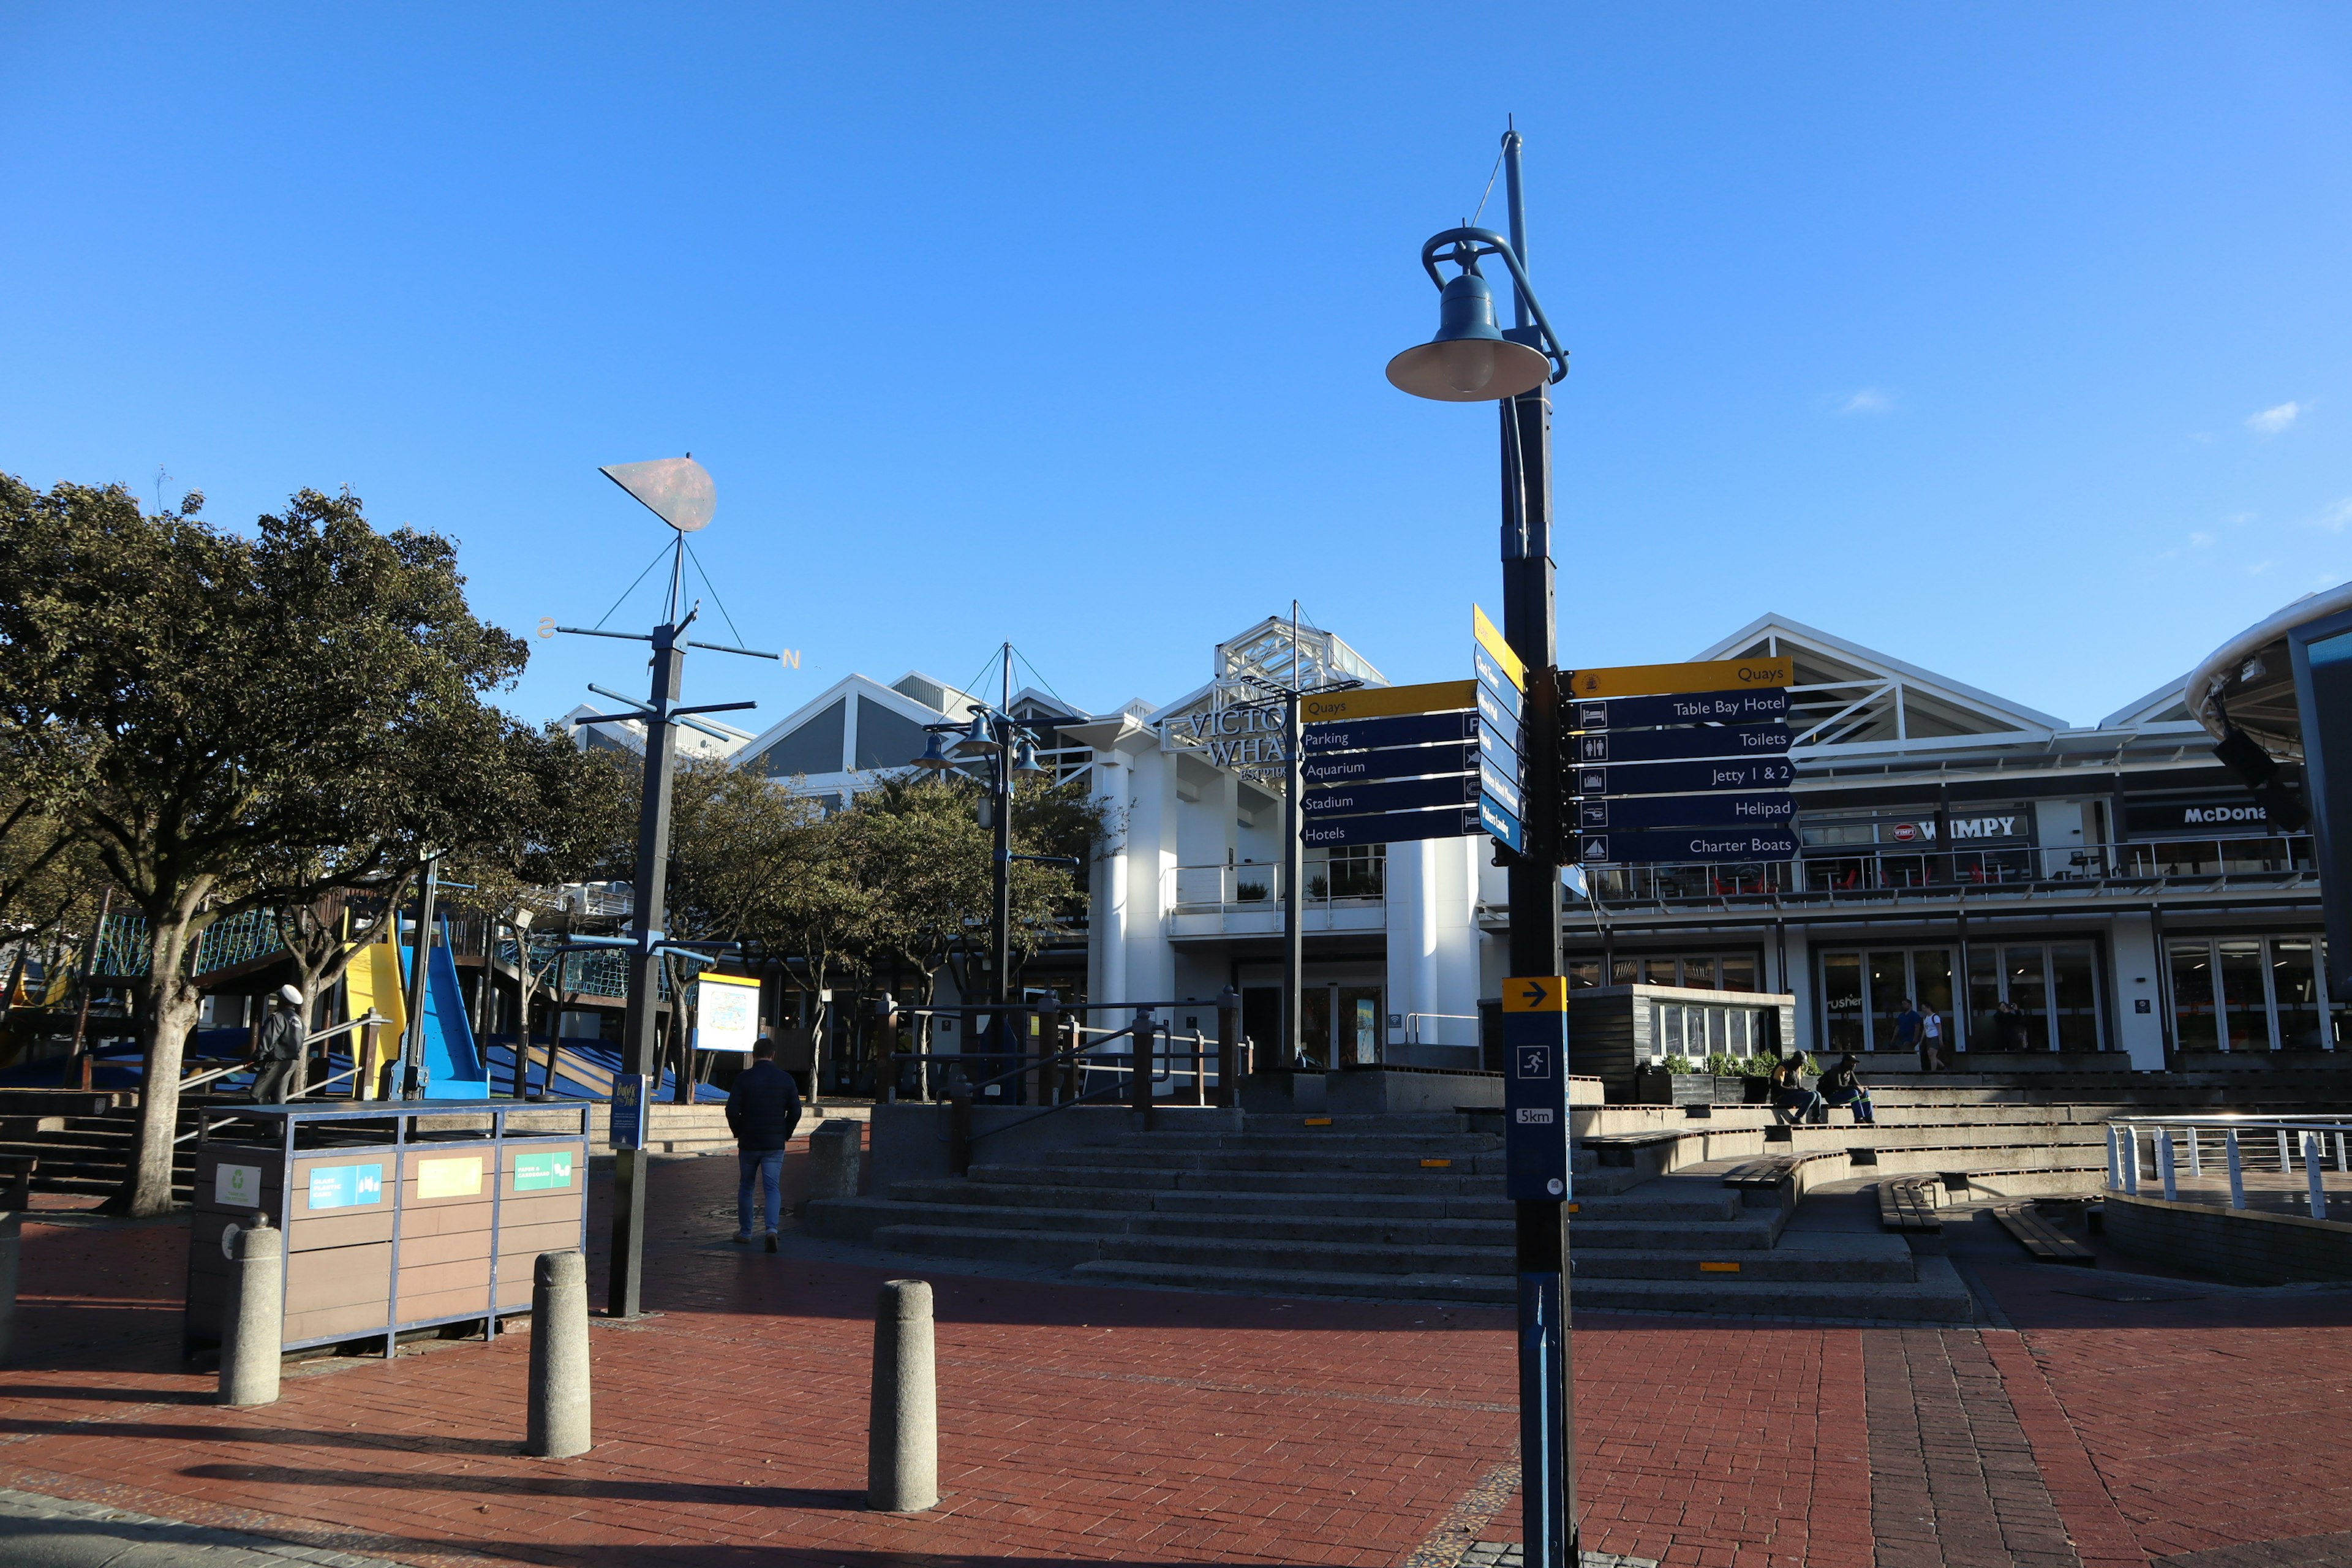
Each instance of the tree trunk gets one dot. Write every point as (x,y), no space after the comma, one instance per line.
(167,1002)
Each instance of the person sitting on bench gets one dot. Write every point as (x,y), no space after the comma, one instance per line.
(1840,1087)
(1791,1100)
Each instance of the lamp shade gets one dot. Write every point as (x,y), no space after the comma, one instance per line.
(976,742)
(1024,761)
(1469,361)
(934,753)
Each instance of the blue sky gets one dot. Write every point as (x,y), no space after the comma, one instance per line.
(2010,340)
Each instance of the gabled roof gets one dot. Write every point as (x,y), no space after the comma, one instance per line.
(2168,704)
(1850,696)
(627,735)
(865,688)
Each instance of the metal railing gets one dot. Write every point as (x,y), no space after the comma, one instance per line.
(1835,873)
(1420,1028)
(2230,1147)
(1208,890)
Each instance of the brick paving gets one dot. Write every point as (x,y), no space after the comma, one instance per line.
(1083,1424)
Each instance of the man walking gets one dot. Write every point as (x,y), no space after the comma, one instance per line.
(283,1038)
(1906,1027)
(762,1110)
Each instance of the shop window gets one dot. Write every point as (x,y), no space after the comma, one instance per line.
(2251,993)
(1736,972)
(1699,971)
(1357,871)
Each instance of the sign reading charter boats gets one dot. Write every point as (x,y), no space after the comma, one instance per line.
(1390,765)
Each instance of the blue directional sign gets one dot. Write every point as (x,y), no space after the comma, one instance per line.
(1502,823)
(1503,715)
(1498,749)
(1775,808)
(1535,1090)
(1670,845)
(1679,778)
(1703,741)
(1495,683)
(1506,791)
(1684,708)
(1403,762)
(1398,729)
(1398,795)
(1389,828)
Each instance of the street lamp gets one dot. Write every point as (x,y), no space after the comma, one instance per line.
(1472,360)
(1004,749)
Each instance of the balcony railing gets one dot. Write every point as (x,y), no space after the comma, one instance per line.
(1212,889)
(1876,872)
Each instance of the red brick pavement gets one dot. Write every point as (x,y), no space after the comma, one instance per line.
(1083,1425)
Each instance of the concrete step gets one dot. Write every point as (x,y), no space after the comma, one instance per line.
(1449,1182)
(1316,1138)
(1938,1298)
(1113,1156)
(1068,1250)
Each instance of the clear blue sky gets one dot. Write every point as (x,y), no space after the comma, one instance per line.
(2014,341)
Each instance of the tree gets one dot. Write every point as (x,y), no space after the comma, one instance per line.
(226,718)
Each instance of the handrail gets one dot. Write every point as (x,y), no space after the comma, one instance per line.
(198,1081)
(2265,1141)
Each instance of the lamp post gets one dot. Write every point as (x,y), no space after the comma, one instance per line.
(1472,360)
(1007,750)
(677,490)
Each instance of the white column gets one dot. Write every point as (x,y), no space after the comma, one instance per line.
(2136,980)
(1107,925)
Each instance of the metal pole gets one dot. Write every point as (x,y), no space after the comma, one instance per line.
(412,1044)
(630,1165)
(88,968)
(1547,1414)
(1294,870)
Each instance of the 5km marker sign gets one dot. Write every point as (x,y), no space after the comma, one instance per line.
(1535,1089)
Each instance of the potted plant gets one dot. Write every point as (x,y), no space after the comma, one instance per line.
(1677,1081)
(1249,892)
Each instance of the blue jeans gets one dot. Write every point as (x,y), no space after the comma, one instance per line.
(1859,1100)
(765,1166)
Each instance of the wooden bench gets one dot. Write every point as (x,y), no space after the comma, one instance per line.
(2042,1238)
(1619,1148)
(1769,1171)
(1910,1203)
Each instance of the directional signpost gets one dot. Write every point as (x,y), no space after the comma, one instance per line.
(1665,762)
(1536,1171)
(1395,763)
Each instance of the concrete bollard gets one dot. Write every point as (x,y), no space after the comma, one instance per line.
(834,1154)
(902,1448)
(254,1331)
(11,1232)
(557,1426)
(2314,1164)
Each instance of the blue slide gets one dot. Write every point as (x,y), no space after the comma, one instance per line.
(452,1064)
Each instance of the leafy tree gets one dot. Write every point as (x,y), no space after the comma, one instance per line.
(232,722)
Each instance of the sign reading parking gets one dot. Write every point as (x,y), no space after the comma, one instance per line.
(1535,1090)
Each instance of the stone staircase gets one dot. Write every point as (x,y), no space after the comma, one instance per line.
(1405,1207)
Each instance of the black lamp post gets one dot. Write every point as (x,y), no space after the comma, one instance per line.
(1473,359)
(1005,750)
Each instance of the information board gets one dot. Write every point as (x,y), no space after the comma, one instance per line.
(1535,1090)
(726,1013)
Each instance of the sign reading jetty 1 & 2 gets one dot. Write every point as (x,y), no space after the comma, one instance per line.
(1388,764)
(1665,762)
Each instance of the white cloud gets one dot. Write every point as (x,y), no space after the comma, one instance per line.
(2200,539)
(2271,421)
(2336,518)
(2259,567)
(1869,400)
(2239,518)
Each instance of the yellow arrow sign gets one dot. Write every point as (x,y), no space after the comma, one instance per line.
(1536,994)
(1499,648)
(1379,702)
(1649,679)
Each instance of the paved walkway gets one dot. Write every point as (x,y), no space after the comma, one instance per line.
(2095,1419)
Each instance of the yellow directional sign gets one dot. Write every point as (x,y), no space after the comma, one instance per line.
(1536,994)
(1708,675)
(1379,702)
(1497,648)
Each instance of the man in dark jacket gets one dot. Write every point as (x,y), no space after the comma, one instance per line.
(281,1048)
(762,1110)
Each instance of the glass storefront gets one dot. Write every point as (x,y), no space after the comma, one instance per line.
(2251,993)
(2051,990)
(1700,971)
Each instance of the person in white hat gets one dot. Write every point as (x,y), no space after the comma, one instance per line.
(281,1048)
